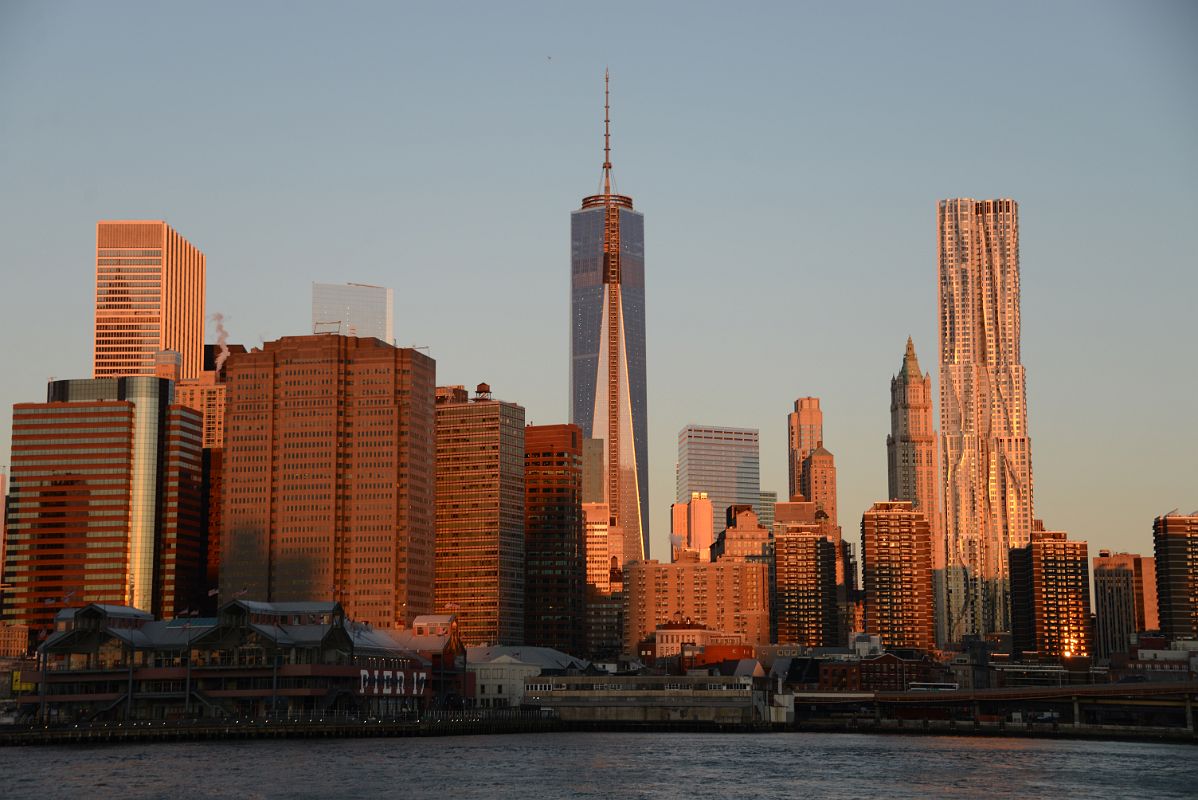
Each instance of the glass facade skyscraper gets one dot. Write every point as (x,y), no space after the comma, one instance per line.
(607,352)
(354,309)
(724,462)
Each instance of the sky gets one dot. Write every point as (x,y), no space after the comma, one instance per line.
(788,159)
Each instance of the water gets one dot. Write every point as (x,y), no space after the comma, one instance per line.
(608,766)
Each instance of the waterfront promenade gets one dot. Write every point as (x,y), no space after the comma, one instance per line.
(1137,711)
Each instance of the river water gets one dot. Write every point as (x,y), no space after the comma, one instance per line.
(612,766)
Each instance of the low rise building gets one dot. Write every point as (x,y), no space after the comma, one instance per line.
(702,700)
(253,659)
(500,671)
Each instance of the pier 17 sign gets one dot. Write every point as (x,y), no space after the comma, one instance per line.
(405,683)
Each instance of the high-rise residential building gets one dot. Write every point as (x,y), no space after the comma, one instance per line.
(149,298)
(818,482)
(728,595)
(554,544)
(1124,600)
(1175,543)
(896,560)
(607,350)
(913,467)
(480,514)
(104,505)
(354,309)
(986,455)
(1050,596)
(691,527)
(743,538)
(724,462)
(328,473)
(805,427)
(807,609)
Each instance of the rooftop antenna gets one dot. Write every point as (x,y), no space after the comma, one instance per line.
(606,132)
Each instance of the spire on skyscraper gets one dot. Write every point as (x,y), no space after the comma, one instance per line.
(910,362)
(606,133)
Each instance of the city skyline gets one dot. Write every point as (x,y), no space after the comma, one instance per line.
(1067,344)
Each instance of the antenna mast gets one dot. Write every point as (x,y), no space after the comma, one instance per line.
(606,132)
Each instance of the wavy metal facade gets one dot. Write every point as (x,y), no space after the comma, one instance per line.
(985,450)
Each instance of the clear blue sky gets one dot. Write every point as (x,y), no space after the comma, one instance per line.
(787,157)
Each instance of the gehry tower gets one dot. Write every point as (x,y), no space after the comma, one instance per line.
(986,455)
(607,349)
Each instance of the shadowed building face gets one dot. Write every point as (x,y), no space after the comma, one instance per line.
(328,476)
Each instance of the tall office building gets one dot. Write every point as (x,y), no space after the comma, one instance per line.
(554,543)
(896,561)
(724,462)
(1124,600)
(986,453)
(329,476)
(765,509)
(104,505)
(1050,596)
(913,467)
(480,514)
(206,394)
(807,609)
(691,528)
(149,298)
(805,429)
(1175,542)
(607,350)
(354,309)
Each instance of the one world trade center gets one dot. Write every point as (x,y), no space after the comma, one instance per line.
(607,351)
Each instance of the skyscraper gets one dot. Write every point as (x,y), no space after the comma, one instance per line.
(913,467)
(554,543)
(724,462)
(206,394)
(480,514)
(149,298)
(1175,542)
(1124,600)
(896,560)
(105,500)
(329,476)
(607,349)
(1050,596)
(805,426)
(986,452)
(354,309)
